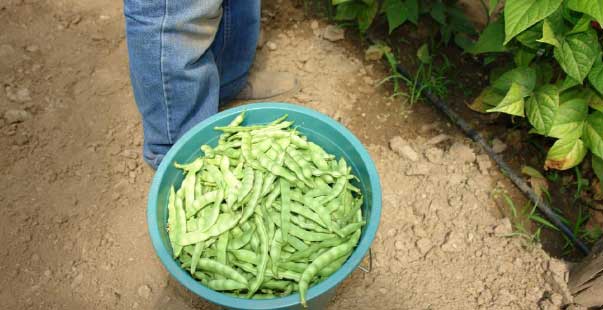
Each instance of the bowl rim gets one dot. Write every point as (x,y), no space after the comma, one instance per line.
(218,298)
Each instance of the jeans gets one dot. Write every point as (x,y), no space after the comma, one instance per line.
(186,57)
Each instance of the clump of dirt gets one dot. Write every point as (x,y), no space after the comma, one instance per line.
(72,222)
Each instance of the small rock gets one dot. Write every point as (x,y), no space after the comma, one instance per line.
(333,33)
(373,53)
(498,146)
(503,228)
(438,139)
(424,245)
(21,138)
(314,25)
(47,273)
(144,291)
(16,116)
(558,268)
(398,145)
(131,164)
(399,245)
(32,48)
(419,169)
(271,45)
(19,95)
(77,280)
(484,163)
(556,299)
(434,154)
(454,243)
(462,153)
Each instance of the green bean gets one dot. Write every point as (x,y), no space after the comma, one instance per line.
(225,222)
(196,256)
(202,276)
(276,284)
(246,184)
(319,263)
(303,211)
(334,266)
(298,157)
(221,246)
(172,223)
(274,168)
(301,233)
(246,256)
(316,155)
(225,285)
(293,266)
(258,178)
(231,182)
(222,269)
(288,248)
(263,262)
(180,223)
(242,240)
(272,177)
(204,200)
(188,187)
(323,213)
(196,165)
(276,191)
(254,242)
(275,252)
(285,210)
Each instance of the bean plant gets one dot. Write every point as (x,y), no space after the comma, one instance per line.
(556,79)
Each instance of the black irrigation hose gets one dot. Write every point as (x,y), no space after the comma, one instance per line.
(504,167)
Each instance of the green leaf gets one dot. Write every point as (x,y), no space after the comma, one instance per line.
(577,54)
(396,13)
(541,108)
(565,154)
(569,119)
(490,40)
(423,54)
(529,38)
(582,25)
(595,77)
(412,9)
(593,8)
(366,16)
(492,7)
(594,99)
(349,11)
(593,133)
(512,103)
(568,83)
(523,76)
(521,14)
(338,2)
(597,164)
(530,171)
(438,12)
(487,99)
(548,35)
(523,57)
(544,72)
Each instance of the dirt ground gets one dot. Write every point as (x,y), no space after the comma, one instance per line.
(73,195)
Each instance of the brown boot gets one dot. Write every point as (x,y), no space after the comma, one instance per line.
(265,84)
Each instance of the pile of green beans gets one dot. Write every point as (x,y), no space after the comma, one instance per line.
(265,213)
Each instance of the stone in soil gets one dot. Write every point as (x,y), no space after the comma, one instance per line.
(18,95)
(16,116)
(271,45)
(503,228)
(438,139)
(498,146)
(461,153)
(144,291)
(333,33)
(401,147)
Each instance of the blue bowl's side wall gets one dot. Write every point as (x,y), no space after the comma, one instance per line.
(319,131)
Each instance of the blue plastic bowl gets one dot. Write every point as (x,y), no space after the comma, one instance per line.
(320,129)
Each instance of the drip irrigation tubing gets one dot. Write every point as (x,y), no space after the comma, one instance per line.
(519,182)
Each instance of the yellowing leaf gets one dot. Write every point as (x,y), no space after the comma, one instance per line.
(512,103)
(565,154)
(548,35)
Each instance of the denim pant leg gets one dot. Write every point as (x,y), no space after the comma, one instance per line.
(174,75)
(235,45)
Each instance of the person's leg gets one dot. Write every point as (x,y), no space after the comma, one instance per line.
(173,72)
(235,44)
(234,49)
